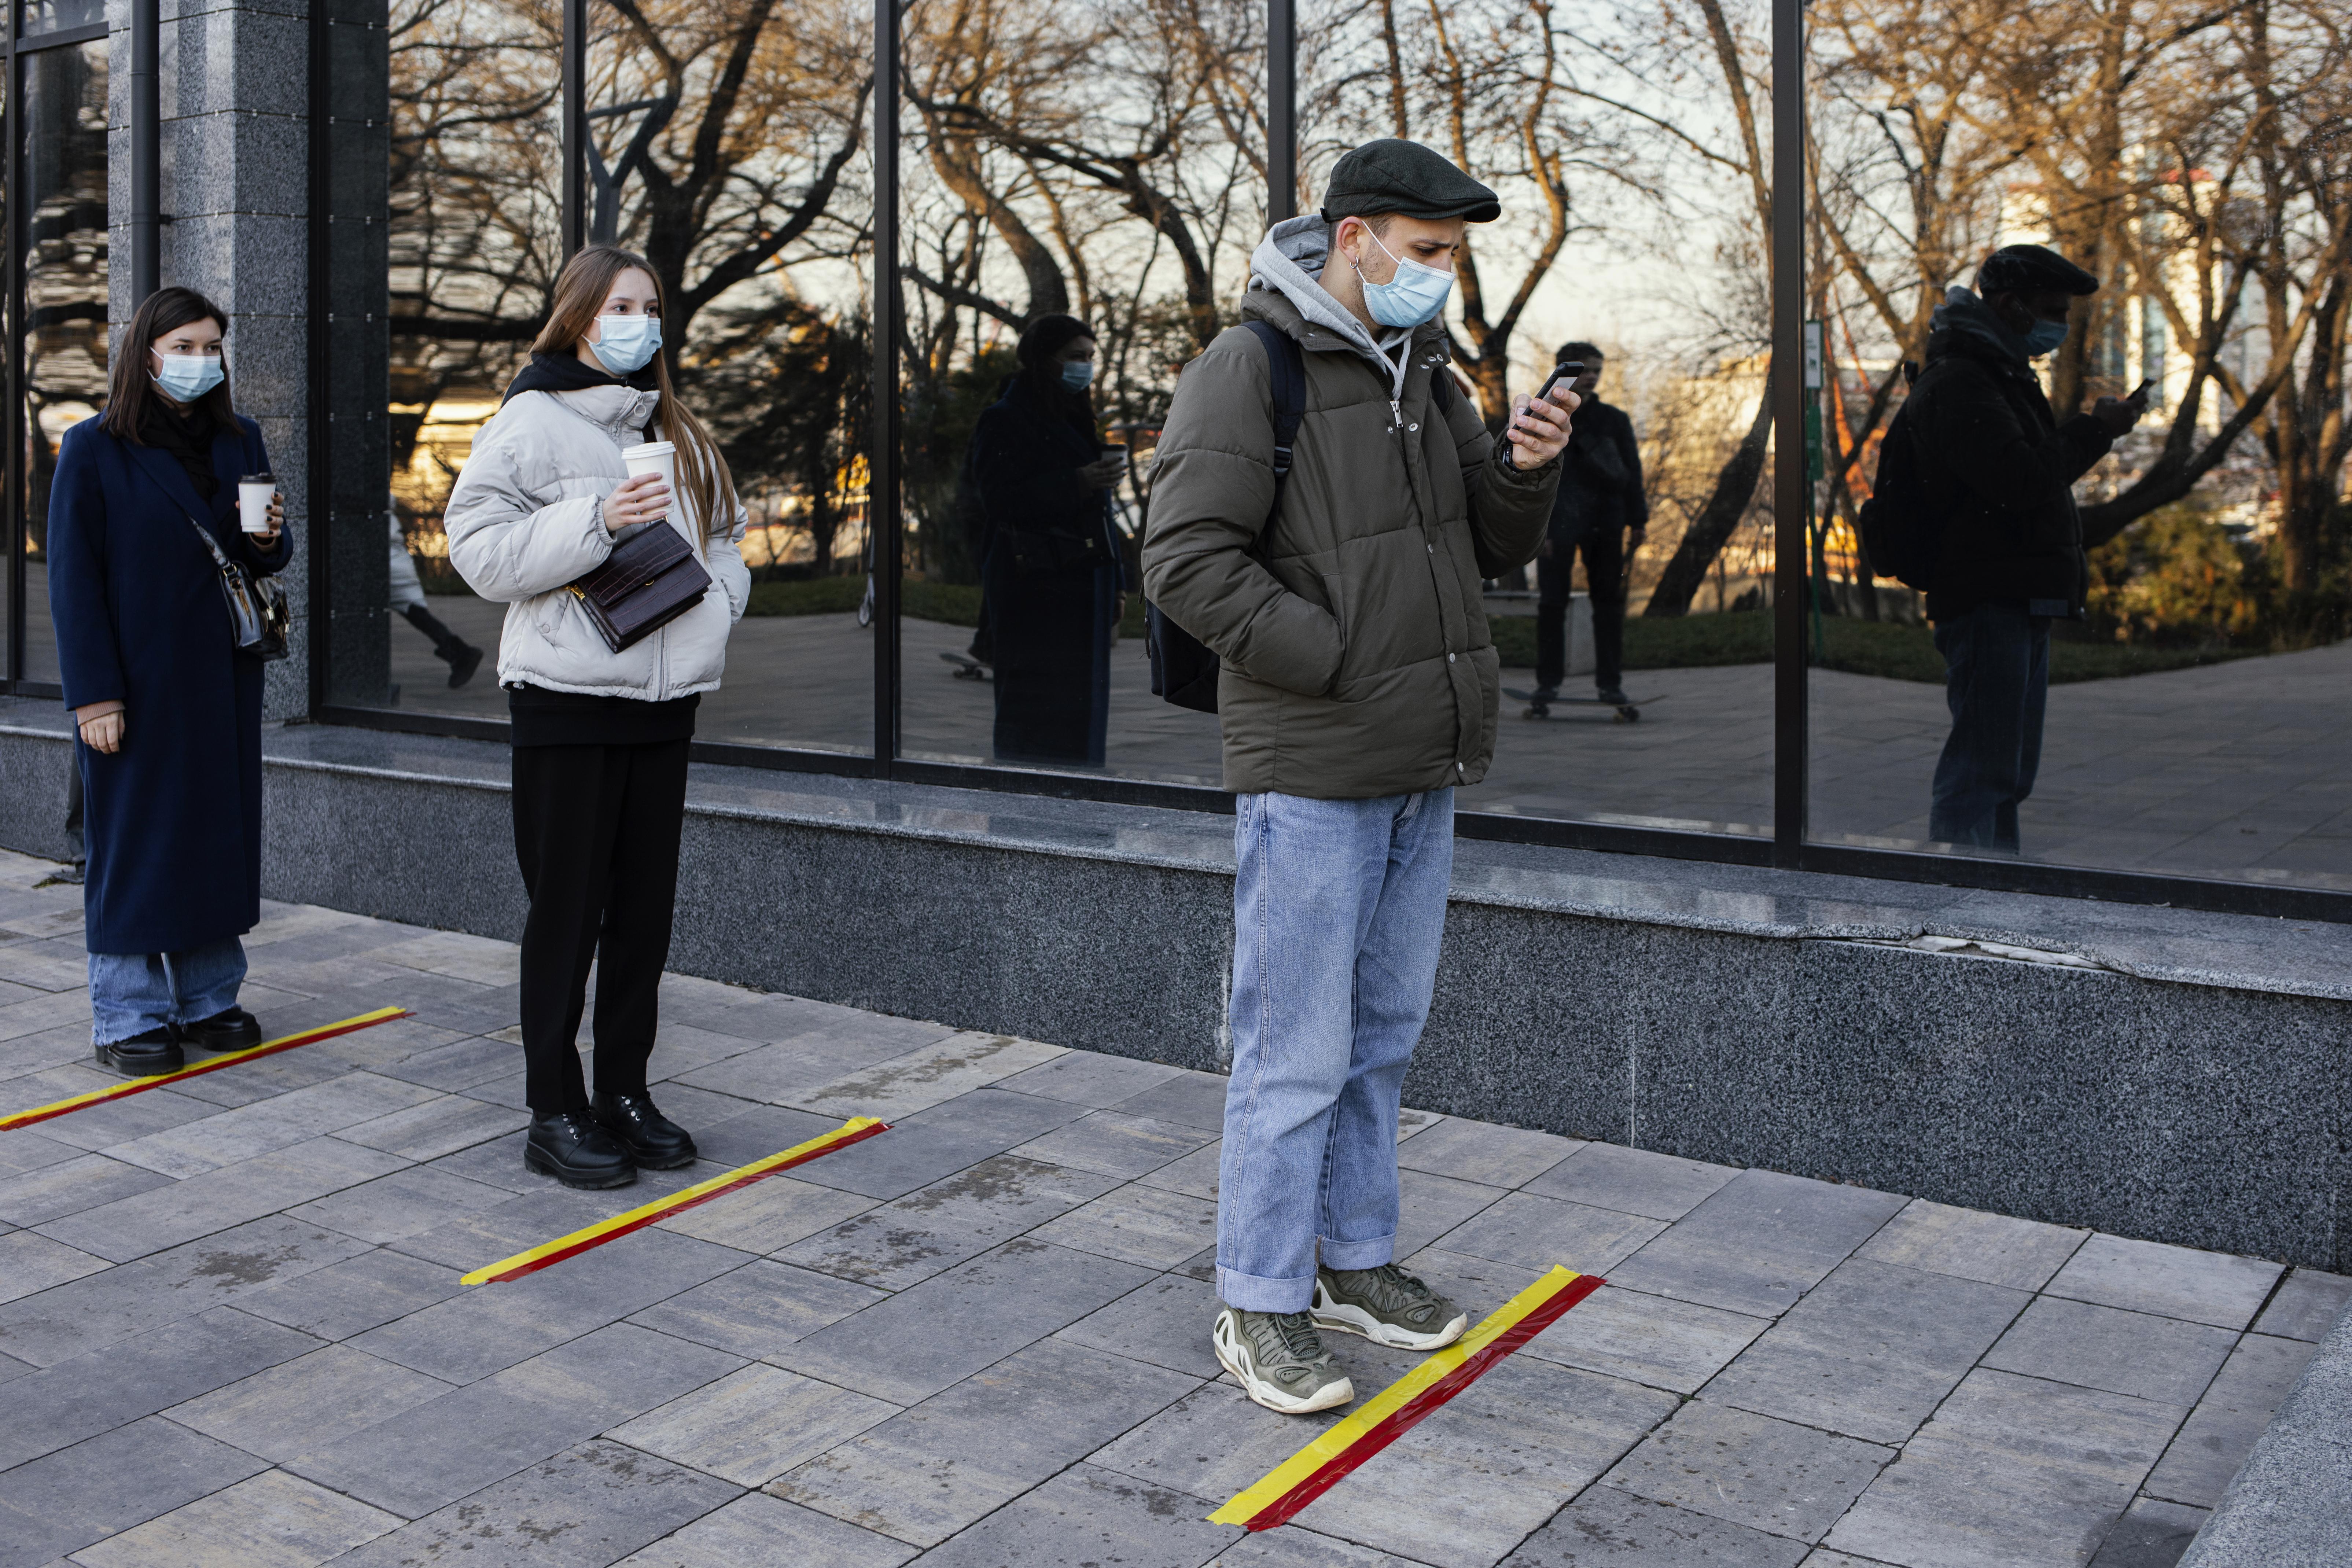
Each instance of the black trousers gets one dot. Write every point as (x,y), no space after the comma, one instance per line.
(596,832)
(1603,549)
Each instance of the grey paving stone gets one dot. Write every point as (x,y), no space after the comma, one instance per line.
(2290,1515)
(459,1064)
(310,1400)
(467,1240)
(79,1398)
(68,1499)
(1773,1476)
(753,1426)
(1189,1098)
(1464,1486)
(1871,1351)
(99,1127)
(783,1071)
(1091,1079)
(1113,1144)
(1996,1250)
(760,1531)
(1649,1340)
(584,1507)
(758,1308)
(393,1208)
(490,1326)
(1150,1226)
(1431,1206)
(683,1047)
(1288,1546)
(1165,1322)
(730,1132)
(29,1264)
(2151,1534)
(1607,1528)
(2170,1281)
(270,1520)
(932,1145)
(2105,1347)
(497,1164)
(1195,1174)
(219,1199)
(1758,1243)
(2012,1472)
(71,1185)
(352,1297)
(2220,1432)
(1540,1233)
(927,1076)
(25,1150)
(768,1216)
(1084,1517)
(926,1474)
(1611,1177)
(1482,1153)
(118,1303)
(439,1127)
(453,1446)
(915,1343)
(2306,1306)
(941,1225)
(268,1125)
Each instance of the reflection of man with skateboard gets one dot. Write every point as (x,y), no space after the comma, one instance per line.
(1600,500)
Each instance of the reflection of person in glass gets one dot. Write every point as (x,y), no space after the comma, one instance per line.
(408,597)
(1052,578)
(2012,559)
(599,735)
(169,711)
(1598,512)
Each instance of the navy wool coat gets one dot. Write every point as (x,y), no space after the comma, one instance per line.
(173,819)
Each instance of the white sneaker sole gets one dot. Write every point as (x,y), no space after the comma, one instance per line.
(1341,1318)
(1234,1359)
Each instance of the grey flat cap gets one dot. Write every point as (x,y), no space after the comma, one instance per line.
(1392,175)
(2029,268)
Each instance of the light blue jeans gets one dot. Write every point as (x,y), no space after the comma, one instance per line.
(1338,910)
(131,992)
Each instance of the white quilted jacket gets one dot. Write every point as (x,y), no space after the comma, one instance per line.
(525,519)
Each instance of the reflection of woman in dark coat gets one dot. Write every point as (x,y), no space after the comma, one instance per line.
(1052,575)
(168,710)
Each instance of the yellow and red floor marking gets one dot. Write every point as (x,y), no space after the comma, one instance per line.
(856,1130)
(226,1060)
(1398,1408)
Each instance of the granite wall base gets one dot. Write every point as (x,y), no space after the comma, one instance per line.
(2200,1115)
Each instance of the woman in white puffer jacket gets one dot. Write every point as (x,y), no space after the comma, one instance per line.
(600,737)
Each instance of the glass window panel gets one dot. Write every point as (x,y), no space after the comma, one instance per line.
(2194,719)
(730,148)
(63,200)
(1105,162)
(56,16)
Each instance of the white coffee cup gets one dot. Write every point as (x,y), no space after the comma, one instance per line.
(653,457)
(254,492)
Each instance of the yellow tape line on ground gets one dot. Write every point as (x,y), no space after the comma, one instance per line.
(1396,1409)
(856,1129)
(226,1060)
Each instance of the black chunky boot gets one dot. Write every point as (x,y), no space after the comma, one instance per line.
(576,1152)
(655,1142)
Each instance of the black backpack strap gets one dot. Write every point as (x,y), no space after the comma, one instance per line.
(1286,371)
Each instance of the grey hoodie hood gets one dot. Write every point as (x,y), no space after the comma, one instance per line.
(1963,319)
(1290,259)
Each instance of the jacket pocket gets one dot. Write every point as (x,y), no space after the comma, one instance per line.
(1335,597)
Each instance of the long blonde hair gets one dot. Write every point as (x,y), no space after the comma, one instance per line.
(580,295)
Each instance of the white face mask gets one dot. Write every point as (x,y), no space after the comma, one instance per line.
(624,343)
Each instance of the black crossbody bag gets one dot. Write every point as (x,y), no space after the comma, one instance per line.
(257,616)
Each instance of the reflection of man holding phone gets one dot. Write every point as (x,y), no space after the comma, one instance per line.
(1602,512)
(2004,466)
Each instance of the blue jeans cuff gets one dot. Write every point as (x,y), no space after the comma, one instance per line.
(1356,1254)
(1256,1293)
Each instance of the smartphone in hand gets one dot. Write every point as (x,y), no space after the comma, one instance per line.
(1566,371)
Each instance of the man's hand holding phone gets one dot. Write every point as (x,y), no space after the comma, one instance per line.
(1540,425)
(2117,414)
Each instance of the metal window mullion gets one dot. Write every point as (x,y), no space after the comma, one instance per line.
(574,51)
(1281,110)
(1790,501)
(12,278)
(882,522)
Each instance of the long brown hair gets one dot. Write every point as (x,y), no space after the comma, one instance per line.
(580,294)
(131,386)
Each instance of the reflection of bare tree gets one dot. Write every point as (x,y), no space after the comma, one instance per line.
(64,197)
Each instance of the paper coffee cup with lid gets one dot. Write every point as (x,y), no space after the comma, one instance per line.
(653,457)
(252,496)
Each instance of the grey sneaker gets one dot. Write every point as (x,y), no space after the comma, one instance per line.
(1280,1360)
(1387,1306)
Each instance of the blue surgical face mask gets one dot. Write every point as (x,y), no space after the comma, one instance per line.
(187,377)
(2044,337)
(1412,296)
(1077,374)
(624,343)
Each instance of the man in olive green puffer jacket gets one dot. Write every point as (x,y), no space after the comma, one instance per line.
(1358,687)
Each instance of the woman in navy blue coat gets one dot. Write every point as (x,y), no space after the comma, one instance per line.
(168,709)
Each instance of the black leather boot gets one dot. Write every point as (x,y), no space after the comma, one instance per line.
(654,1139)
(231,1030)
(143,1055)
(576,1152)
